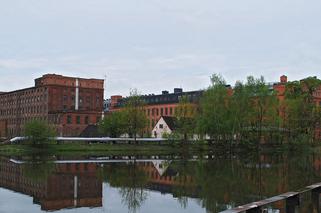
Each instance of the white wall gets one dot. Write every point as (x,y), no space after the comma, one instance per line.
(160,131)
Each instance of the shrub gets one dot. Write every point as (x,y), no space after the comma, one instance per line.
(39,132)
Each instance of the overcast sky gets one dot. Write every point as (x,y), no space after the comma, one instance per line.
(154,45)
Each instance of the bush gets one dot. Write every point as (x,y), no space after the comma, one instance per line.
(39,132)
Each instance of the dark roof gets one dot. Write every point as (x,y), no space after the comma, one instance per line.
(90,131)
(166,98)
(170,121)
(19,90)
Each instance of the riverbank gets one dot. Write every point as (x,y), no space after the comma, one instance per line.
(102,149)
(142,149)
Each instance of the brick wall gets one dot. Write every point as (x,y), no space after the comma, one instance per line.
(52,99)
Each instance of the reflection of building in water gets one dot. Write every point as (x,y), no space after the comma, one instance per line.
(163,178)
(68,186)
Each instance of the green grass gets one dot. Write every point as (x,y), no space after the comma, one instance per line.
(102,149)
(81,148)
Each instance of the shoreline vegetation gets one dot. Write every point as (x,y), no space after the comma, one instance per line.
(176,148)
(249,111)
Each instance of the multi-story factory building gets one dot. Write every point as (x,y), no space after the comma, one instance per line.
(69,104)
(158,105)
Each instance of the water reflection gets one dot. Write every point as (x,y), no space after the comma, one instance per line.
(216,183)
(53,186)
(131,179)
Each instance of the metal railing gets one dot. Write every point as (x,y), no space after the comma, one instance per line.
(292,201)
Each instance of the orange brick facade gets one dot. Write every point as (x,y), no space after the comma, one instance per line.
(158,105)
(69,104)
(280,91)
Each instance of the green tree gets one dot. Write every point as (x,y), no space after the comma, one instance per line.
(214,118)
(263,109)
(250,108)
(240,110)
(301,113)
(135,117)
(113,125)
(38,132)
(185,115)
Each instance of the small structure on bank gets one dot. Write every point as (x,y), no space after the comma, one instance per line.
(165,125)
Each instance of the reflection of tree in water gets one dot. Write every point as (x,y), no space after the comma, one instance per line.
(219,183)
(38,168)
(133,197)
(131,179)
(183,187)
(183,201)
(227,183)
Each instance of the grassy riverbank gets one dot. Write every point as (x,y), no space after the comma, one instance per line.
(143,149)
(103,149)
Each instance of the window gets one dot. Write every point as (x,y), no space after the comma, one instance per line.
(148,112)
(161,126)
(78,119)
(162,111)
(171,111)
(69,119)
(86,120)
(166,111)
(97,119)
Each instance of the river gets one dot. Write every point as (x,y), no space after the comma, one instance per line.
(144,184)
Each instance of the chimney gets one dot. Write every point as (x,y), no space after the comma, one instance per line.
(178,90)
(165,92)
(283,79)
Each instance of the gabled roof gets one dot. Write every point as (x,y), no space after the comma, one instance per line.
(170,121)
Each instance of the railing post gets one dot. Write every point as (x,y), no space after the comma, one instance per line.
(315,194)
(291,203)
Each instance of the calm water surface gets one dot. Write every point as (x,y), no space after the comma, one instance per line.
(204,183)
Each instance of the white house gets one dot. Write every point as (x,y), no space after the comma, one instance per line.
(165,125)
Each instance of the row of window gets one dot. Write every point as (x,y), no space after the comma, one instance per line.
(81,119)
(25,92)
(22,100)
(160,111)
(25,110)
(88,99)
(194,96)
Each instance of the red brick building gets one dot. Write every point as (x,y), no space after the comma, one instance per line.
(69,104)
(281,86)
(161,105)
(158,105)
(280,89)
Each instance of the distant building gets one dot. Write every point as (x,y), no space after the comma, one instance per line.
(280,89)
(159,105)
(69,104)
(107,105)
